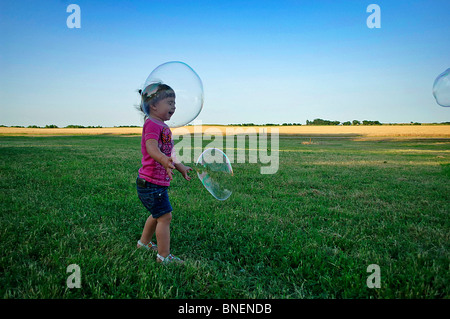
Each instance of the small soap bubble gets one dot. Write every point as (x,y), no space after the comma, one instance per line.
(215,172)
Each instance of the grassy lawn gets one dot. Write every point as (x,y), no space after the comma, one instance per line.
(334,207)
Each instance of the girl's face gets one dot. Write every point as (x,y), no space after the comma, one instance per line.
(163,109)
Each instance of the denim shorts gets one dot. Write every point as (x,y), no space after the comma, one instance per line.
(155,198)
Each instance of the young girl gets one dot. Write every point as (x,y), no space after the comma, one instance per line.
(158,101)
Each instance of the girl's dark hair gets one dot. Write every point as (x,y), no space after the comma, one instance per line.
(153,93)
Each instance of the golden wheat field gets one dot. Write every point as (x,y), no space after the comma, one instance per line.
(360,131)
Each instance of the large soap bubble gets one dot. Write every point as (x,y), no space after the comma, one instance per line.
(214,170)
(188,89)
(441,88)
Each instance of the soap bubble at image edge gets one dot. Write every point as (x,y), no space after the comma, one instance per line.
(188,88)
(441,89)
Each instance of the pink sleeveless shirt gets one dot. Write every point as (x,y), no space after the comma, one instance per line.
(151,170)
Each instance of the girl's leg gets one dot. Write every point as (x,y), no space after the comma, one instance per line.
(149,230)
(163,234)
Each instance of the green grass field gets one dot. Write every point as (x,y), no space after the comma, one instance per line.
(310,231)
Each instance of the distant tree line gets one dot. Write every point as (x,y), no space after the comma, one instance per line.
(328,122)
(54,126)
(316,122)
(308,122)
(267,124)
(354,122)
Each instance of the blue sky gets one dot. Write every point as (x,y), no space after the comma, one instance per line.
(260,61)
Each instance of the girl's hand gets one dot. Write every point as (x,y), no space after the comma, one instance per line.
(167,163)
(184,171)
